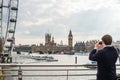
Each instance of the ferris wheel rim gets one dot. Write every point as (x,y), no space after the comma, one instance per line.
(11,23)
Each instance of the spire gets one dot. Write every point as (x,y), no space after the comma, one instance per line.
(52,39)
(61,42)
(70,40)
(70,33)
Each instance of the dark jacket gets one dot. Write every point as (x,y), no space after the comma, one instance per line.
(106,59)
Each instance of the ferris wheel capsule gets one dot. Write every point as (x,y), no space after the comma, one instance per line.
(14,8)
(12,20)
(9,39)
(1,6)
(11,31)
(7,46)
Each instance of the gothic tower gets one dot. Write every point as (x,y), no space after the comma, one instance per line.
(70,40)
(52,39)
(47,38)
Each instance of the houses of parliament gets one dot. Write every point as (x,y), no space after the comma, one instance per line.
(50,45)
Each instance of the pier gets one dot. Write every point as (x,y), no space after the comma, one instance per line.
(65,72)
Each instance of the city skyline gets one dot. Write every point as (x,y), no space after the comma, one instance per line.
(88,20)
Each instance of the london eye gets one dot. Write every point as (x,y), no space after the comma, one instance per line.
(8,20)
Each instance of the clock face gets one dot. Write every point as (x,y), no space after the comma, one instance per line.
(70,37)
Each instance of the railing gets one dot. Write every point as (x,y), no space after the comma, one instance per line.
(69,72)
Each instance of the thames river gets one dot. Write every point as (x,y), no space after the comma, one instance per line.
(62,59)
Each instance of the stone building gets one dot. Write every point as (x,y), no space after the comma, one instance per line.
(70,40)
(22,48)
(116,44)
(52,47)
(84,46)
(79,47)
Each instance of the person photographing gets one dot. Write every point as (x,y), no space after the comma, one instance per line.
(106,58)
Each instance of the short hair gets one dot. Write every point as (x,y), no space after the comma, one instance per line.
(107,39)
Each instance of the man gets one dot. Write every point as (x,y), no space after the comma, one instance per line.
(106,59)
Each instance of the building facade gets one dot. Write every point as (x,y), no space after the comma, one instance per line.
(52,47)
(85,46)
(70,40)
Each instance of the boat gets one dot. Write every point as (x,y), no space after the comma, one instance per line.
(94,62)
(51,59)
(38,58)
(45,58)
(92,65)
(69,52)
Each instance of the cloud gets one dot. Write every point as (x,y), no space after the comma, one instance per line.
(26,32)
(88,19)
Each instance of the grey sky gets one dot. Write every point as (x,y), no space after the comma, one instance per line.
(88,19)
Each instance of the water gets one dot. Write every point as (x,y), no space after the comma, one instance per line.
(62,59)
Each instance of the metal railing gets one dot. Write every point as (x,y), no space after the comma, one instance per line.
(29,70)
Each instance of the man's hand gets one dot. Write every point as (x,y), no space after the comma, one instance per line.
(97,45)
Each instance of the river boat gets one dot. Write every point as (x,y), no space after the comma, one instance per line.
(69,52)
(44,57)
(51,59)
(92,65)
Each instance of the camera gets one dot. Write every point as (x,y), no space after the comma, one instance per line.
(100,42)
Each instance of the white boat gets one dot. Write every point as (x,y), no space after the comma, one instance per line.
(91,65)
(41,57)
(38,58)
(51,59)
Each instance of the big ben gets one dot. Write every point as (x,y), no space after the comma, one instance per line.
(70,40)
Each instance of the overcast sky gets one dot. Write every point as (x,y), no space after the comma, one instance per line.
(88,19)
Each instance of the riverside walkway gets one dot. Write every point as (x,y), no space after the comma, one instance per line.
(61,72)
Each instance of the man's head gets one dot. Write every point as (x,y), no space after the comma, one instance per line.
(107,39)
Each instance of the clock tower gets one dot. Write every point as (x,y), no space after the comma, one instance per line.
(70,40)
